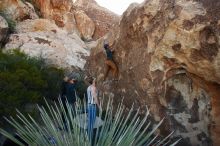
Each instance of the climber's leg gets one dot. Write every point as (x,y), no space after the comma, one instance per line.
(107,69)
(113,68)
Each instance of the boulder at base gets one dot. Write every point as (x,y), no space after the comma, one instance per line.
(168,55)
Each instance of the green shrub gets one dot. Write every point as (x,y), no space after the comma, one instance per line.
(25,80)
(115,129)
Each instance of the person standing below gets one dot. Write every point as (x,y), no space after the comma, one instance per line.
(64,89)
(92,103)
(70,91)
(68,94)
(110,64)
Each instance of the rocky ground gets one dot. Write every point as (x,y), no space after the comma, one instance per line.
(167,53)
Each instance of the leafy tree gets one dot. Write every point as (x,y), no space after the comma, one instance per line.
(25,80)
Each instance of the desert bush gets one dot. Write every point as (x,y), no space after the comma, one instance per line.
(25,80)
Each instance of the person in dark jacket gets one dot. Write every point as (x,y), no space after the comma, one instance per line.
(70,91)
(69,95)
(110,64)
(64,89)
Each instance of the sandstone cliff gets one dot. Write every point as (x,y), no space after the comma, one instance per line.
(84,24)
(88,17)
(104,19)
(58,36)
(17,10)
(168,58)
(42,38)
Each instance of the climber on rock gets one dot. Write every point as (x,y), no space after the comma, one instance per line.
(110,64)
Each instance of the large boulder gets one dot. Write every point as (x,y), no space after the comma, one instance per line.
(36,26)
(3,30)
(168,58)
(88,13)
(84,24)
(49,8)
(59,11)
(17,10)
(104,19)
(42,38)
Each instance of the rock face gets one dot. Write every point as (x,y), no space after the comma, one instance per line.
(59,11)
(85,25)
(17,10)
(51,8)
(57,36)
(65,14)
(169,59)
(92,20)
(104,20)
(42,38)
(3,30)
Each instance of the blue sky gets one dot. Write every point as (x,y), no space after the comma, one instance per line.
(117,6)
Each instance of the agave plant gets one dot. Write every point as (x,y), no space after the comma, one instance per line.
(65,125)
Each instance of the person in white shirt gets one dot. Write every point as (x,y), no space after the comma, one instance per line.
(93,102)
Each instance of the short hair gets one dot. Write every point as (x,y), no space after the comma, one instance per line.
(71,78)
(106,46)
(90,80)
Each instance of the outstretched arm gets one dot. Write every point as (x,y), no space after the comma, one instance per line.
(112,49)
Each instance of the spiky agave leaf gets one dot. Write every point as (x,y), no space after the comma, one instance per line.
(60,127)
